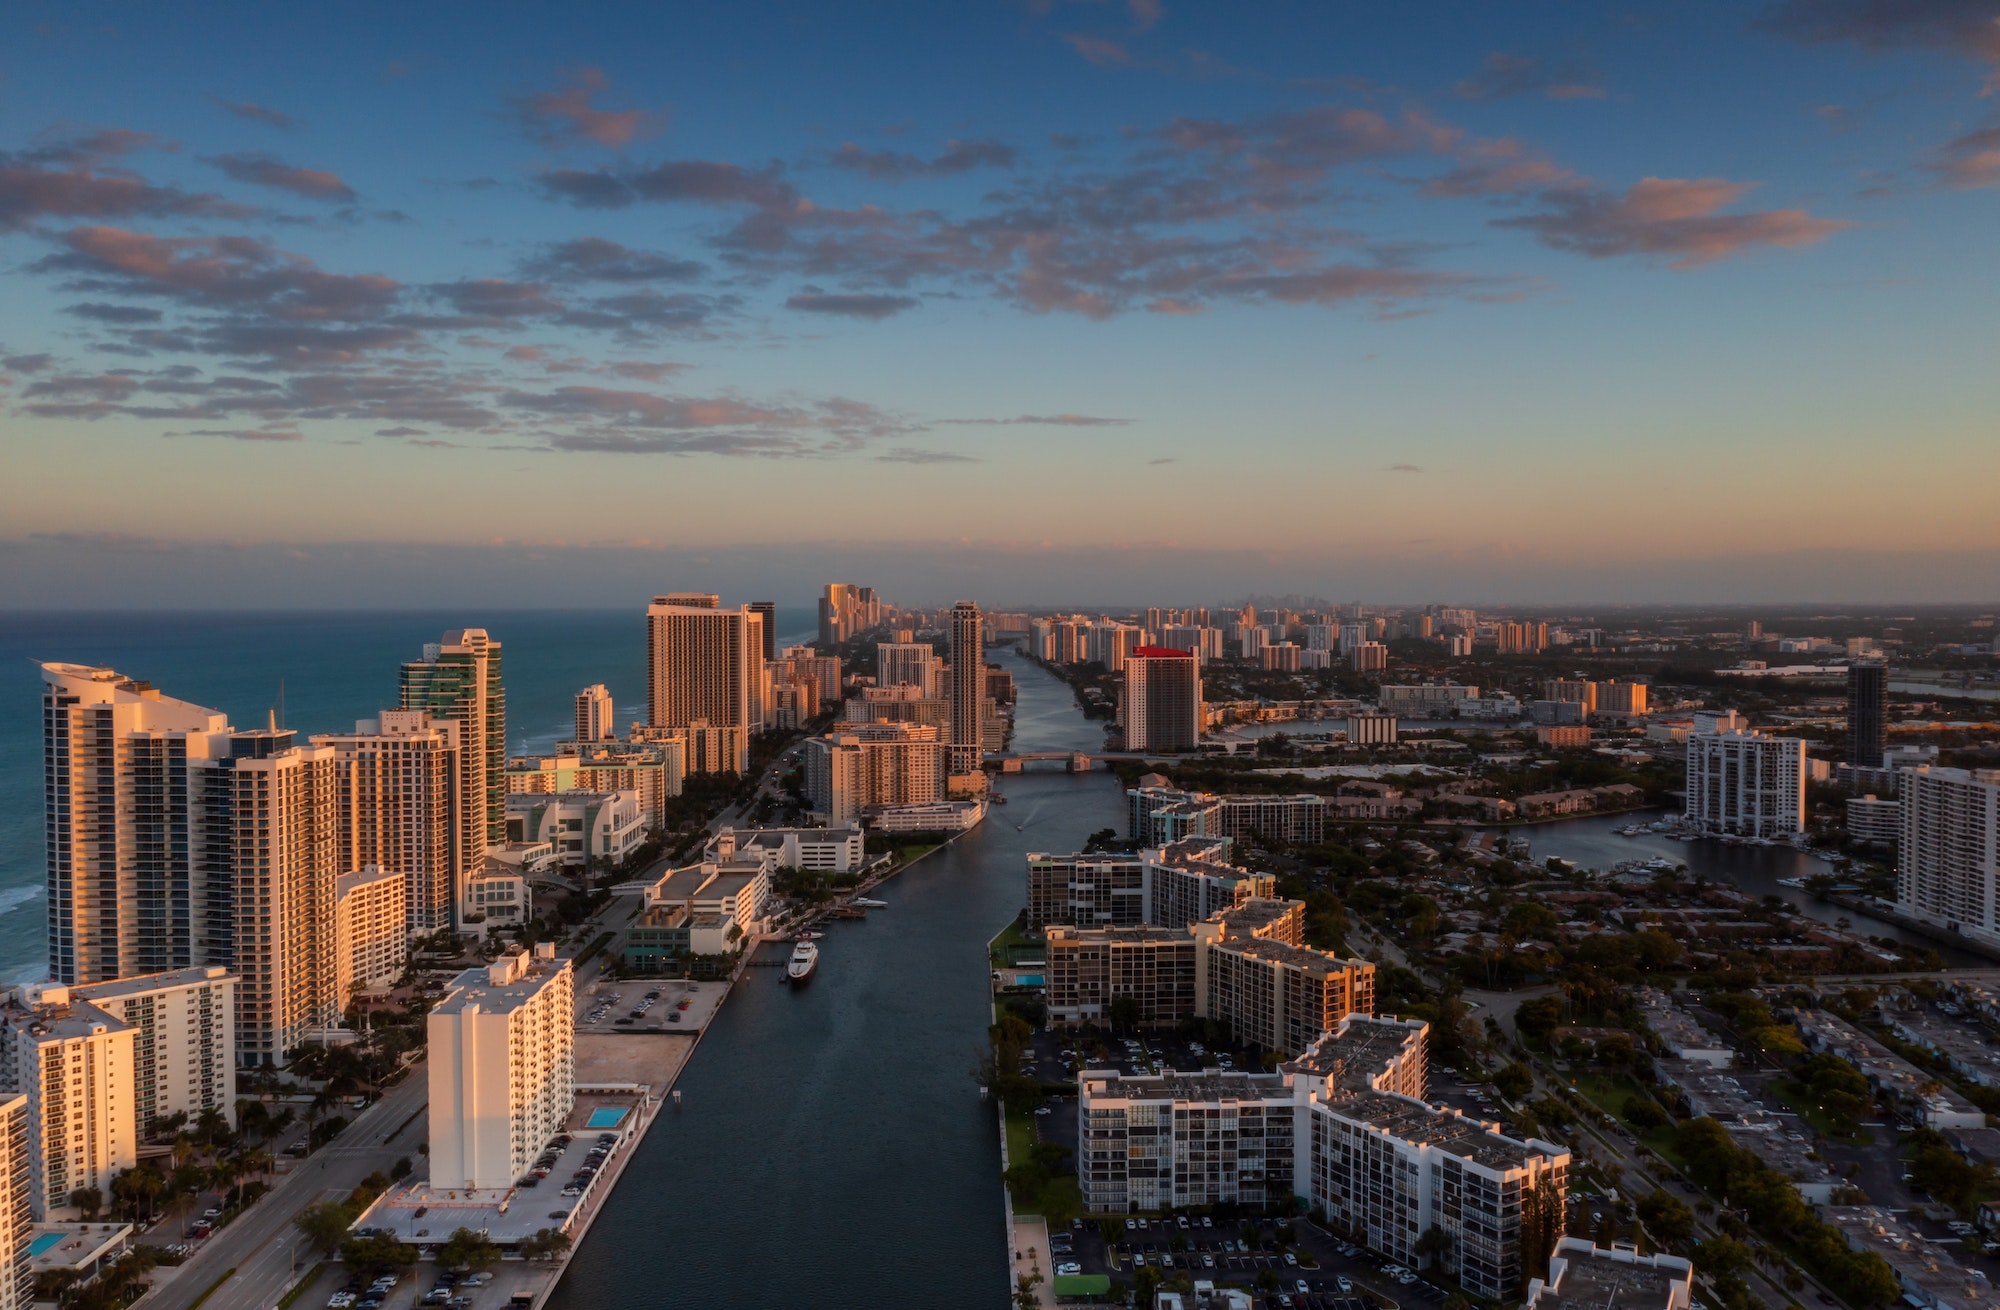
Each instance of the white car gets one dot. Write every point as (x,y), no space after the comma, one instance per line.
(1345,1284)
(1070,1268)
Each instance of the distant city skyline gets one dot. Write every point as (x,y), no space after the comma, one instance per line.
(1025,300)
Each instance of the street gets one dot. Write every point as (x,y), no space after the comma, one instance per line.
(262,1243)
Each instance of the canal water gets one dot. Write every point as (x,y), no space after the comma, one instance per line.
(831,1148)
(1592,843)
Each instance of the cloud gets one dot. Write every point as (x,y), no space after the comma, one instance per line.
(401,432)
(910,455)
(216,272)
(1503,75)
(1970,161)
(68,179)
(254,113)
(594,259)
(567,116)
(1965,27)
(874,307)
(894,166)
(1145,13)
(1041,420)
(1097,49)
(244,434)
(644,370)
(258,169)
(27,363)
(1404,468)
(1164,459)
(1674,219)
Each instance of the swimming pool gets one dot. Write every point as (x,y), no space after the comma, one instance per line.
(607,1117)
(43,1243)
(1030,980)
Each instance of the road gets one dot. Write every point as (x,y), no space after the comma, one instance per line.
(262,1243)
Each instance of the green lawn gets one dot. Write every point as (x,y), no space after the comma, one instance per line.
(1061,1195)
(1001,947)
(1795,1099)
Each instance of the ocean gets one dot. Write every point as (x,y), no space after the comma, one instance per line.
(320,671)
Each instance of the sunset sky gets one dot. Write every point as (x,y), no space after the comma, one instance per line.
(1060,302)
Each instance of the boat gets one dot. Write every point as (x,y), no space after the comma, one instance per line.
(810,936)
(868,904)
(805,959)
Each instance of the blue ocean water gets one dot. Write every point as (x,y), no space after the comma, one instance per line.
(327,670)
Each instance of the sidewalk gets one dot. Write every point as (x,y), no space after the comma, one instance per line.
(1031,1257)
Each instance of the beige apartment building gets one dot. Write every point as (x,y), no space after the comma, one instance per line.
(17,1278)
(863,766)
(398,808)
(184,1040)
(371,931)
(75,1063)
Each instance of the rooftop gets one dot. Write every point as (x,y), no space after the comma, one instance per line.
(509,982)
(139,984)
(1616,1278)
(1205,1086)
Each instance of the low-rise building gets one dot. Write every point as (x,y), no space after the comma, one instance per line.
(1874,821)
(586,828)
(823,850)
(502,1068)
(705,909)
(939,816)
(497,896)
(1585,1276)
(1931,1274)
(1680,1032)
(1889,1074)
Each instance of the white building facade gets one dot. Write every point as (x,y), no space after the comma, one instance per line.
(184,1040)
(1746,784)
(502,1057)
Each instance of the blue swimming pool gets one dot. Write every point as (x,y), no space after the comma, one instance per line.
(607,1117)
(43,1243)
(1030,980)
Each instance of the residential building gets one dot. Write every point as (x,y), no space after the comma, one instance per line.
(898,704)
(1948,848)
(804,664)
(1253,973)
(701,663)
(284,838)
(1574,736)
(1296,820)
(1428,700)
(398,808)
(75,1064)
(1933,1274)
(1374,1158)
(1556,711)
(502,1056)
(1572,691)
(183,1040)
(1371,657)
(940,816)
(767,617)
(497,896)
(822,850)
(133,886)
(1585,1276)
(17,1278)
(966,690)
(846,611)
(589,829)
(1371,730)
(707,909)
(1159,701)
(850,771)
(1138,975)
(1874,821)
(1459,645)
(459,679)
(1621,697)
(910,664)
(1745,784)
(371,932)
(594,720)
(1183,1140)
(1173,886)
(716,747)
(1867,713)
(655,768)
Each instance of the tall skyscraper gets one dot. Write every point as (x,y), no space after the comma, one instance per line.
(968,687)
(1867,713)
(285,838)
(459,679)
(75,1064)
(705,665)
(134,882)
(594,720)
(768,609)
(1745,784)
(398,807)
(1159,701)
(502,1048)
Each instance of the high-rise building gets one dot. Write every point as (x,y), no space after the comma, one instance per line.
(371,935)
(75,1064)
(594,720)
(1746,784)
(767,613)
(846,611)
(909,664)
(399,808)
(1371,657)
(1867,713)
(502,1054)
(283,815)
(862,767)
(1572,691)
(1616,697)
(966,693)
(135,883)
(459,679)
(700,661)
(1948,851)
(17,1278)
(1159,700)
(184,1040)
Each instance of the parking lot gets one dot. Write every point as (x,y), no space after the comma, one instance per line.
(1314,1271)
(648,1005)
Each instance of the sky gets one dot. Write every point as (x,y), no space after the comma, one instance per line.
(1048,301)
